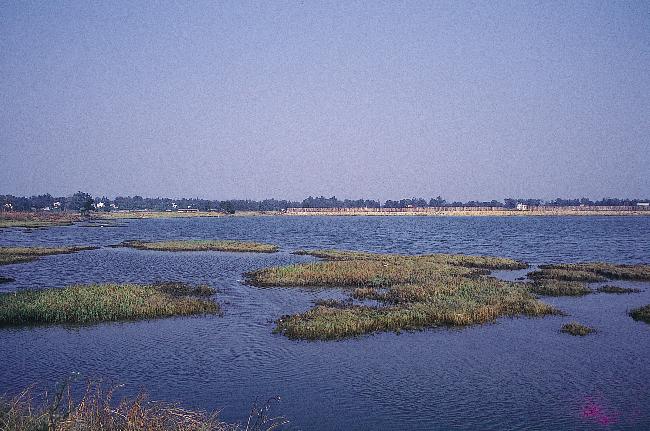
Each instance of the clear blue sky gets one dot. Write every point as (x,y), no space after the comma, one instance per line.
(471,100)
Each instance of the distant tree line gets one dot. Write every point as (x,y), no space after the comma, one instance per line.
(82,201)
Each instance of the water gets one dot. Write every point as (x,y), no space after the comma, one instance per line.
(515,374)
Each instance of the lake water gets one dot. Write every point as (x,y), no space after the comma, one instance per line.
(515,374)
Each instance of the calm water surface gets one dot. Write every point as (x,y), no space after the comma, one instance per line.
(514,374)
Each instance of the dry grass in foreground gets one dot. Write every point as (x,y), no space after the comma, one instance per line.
(202,245)
(98,409)
(597,271)
(641,313)
(413,292)
(577,329)
(9,255)
(87,304)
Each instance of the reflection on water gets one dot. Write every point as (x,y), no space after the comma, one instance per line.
(518,373)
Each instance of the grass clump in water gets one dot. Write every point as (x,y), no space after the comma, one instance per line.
(617,289)
(641,313)
(465,302)
(577,329)
(9,255)
(87,304)
(603,270)
(566,275)
(202,245)
(485,262)
(415,292)
(559,288)
(6,279)
(357,273)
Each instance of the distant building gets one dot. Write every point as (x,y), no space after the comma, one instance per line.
(56,204)
(643,204)
(522,207)
(99,205)
(188,210)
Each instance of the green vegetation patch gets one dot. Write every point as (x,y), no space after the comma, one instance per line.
(604,270)
(617,289)
(577,329)
(357,273)
(485,262)
(559,288)
(566,275)
(466,302)
(414,292)
(9,255)
(36,220)
(641,313)
(203,245)
(86,304)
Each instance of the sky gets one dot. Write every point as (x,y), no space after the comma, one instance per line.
(380,100)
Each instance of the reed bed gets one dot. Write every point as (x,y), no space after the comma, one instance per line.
(566,275)
(356,273)
(36,220)
(577,329)
(606,270)
(10,255)
(473,301)
(88,304)
(617,289)
(98,408)
(202,245)
(559,288)
(485,262)
(641,313)
(414,292)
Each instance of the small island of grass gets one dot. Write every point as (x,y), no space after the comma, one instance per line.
(592,272)
(9,255)
(202,245)
(559,288)
(641,313)
(608,288)
(88,304)
(414,292)
(577,329)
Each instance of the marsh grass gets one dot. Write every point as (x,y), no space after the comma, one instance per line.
(641,313)
(577,329)
(36,220)
(414,292)
(485,262)
(356,273)
(98,408)
(559,288)
(617,289)
(202,245)
(566,275)
(470,302)
(87,304)
(604,270)
(10,255)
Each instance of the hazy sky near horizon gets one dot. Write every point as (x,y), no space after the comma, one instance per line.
(470,100)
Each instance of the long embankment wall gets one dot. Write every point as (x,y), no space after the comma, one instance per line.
(479,211)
